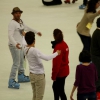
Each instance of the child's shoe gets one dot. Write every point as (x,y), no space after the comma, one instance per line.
(98,95)
(13,84)
(82,7)
(67,1)
(23,78)
(74,1)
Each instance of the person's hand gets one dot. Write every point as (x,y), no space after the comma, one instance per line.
(59,52)
(39,34)
(18,46)
(71,97)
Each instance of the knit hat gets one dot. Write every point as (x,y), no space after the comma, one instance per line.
(16,9)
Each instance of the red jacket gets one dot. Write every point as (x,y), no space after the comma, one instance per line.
(60,64)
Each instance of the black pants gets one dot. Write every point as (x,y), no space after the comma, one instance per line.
(87,96)
(96,61)
(54,2)
(86,40)
(58,89)
(85,2)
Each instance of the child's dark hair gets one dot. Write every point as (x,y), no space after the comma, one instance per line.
(85,57)
(57,33)
(91,6)
(30,37)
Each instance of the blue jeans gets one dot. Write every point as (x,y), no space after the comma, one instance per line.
(87,96)
(18,60)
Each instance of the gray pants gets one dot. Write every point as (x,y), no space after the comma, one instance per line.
(38,85)
(18,59)
(96,61)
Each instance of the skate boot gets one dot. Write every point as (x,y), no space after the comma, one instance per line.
(67,1)
(13,84)
(23,78)
(82,7)
(74,1)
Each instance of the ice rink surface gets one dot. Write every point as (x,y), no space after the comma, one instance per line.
(44,19)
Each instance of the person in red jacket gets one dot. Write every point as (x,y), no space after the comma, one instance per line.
(60,65)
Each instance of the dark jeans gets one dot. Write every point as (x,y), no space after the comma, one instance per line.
(86,40)
(85,2)
(58,89)
(54,2)
(96,61)
(87,96)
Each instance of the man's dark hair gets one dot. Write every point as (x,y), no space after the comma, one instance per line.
(30,37)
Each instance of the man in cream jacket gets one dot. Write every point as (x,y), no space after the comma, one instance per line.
(16,31)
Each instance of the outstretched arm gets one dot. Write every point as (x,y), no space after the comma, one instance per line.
(30,29)
(47,57)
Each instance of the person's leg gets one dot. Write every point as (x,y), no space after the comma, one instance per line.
(40,86)
(92,96)
(16,62)
(82,40)
(74,1)
(61,84)
(54,2)
(86,42)
(21,68)
(55,90)
(21,76)
(67,1)
(32,80)
(85,2)
(34,91)
(96,61)
(83,5)
(89,43)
